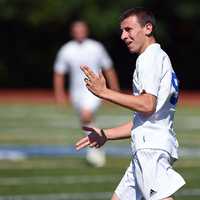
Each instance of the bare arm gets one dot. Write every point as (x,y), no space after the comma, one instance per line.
(120,132)
(111,78)
(98,138)
(59,88)
(145,103)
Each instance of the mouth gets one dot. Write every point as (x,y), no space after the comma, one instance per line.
(128,43)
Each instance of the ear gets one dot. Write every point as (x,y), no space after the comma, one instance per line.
(148,29)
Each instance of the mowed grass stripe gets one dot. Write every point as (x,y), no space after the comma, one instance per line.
(69,179)
(187,122)
(81,179)
(48,124)
(194,192)
(62,196)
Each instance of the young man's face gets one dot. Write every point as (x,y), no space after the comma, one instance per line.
(79,31)
(133,34)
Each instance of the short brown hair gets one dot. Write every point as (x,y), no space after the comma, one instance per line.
(144,16)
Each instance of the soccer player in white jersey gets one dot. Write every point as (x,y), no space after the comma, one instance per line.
(69,58)
(150,175)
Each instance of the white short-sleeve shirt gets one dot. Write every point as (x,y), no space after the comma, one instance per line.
(73,54)
(155,75)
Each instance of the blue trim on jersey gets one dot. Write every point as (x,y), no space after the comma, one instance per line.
(175,84)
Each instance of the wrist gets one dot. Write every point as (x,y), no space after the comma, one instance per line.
(103,134)
(104,94)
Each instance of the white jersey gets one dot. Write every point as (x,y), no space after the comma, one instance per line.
(154,75)
(74,54)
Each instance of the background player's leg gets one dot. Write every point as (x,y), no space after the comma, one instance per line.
(95,157)
(86,116)
(115,197)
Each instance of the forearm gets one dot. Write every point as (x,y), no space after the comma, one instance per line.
(97,137)
(58,83)
(112,79)
(144,103)
(141,103)
(59,88)
(120,132)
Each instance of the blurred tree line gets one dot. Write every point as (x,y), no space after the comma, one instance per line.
(33,30)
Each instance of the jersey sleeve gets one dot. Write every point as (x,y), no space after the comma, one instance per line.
(150,73)
(61,65)
(104,59)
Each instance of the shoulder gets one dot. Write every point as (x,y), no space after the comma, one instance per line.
(153,53)
(153,50)
(153,59)
(66,48)
(68,45)
(94,43)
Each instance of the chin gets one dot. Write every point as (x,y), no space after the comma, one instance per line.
(132,51)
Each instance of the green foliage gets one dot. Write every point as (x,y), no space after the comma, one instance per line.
(188,9)
(36,12)
(101,15)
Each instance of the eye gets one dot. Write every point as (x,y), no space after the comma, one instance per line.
(128,29)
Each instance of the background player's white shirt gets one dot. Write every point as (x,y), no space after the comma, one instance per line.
(154,75)
(73,54)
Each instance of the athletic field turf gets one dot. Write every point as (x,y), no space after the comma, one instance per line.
(38,160)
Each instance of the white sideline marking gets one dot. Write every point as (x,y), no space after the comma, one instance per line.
(57,180)
(85,195)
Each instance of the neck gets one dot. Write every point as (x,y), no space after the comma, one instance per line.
(150,40)
(81,40)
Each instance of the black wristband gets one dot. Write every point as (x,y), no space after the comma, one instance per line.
(103,134)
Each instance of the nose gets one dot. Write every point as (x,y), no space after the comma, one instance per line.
(124,35)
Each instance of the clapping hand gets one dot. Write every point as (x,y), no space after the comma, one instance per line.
(95,83)
(95,139)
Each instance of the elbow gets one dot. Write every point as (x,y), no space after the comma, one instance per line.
(148,109)
(148,104)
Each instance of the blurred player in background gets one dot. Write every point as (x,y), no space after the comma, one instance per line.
(155,92)
(82,50)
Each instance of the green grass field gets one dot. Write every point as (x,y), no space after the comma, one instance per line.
(69,177)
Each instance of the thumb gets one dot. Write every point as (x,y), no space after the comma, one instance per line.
(101,76)
(86,128)
(92,129)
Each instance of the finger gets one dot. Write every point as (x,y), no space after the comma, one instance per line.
(82,143)
(87,71)
(93,144)
(91,73)
(83,139)
(83,67)
(92,129)
(87,81)
(86,128)
(97,146)
(101,76)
